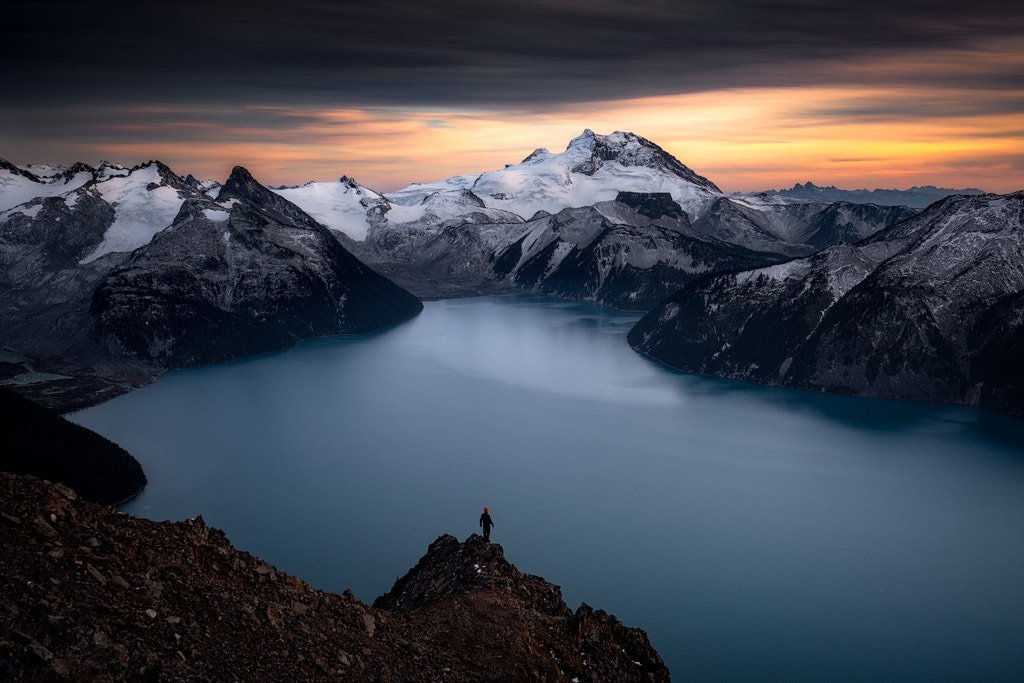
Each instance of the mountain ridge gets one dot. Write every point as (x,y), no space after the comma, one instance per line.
(84,266)
(917,197)
(467,234)
(930,309)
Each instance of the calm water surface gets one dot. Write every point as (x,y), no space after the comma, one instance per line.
(755,534)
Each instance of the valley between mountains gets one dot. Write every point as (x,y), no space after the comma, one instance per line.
(109,276)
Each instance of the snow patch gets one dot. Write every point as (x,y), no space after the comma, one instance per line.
(344,205)
(670,311)
(783,271)
(216,215)
(28,212)
(140,213)
(17,189)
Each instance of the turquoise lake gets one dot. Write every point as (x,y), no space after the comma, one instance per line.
(754,533)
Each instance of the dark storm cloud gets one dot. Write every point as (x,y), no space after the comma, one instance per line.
(475,53)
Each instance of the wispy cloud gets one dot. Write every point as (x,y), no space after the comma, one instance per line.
(750,93)
(445,52)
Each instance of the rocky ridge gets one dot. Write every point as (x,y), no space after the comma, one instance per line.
(914,197)
(630,252)
(90,594)
(930,309)
(245,273)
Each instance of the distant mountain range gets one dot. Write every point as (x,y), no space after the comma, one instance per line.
(915,197)
(110,275)
(613,218)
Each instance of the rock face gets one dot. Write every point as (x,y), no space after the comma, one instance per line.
(537,637)
(796,228)
(630,253)
(89,594)
(243,274)
(931,309)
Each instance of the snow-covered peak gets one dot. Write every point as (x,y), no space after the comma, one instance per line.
(593,168)
(19,185)
(451,207)
(592,151)
(343,205)
(44,171)
(538,153)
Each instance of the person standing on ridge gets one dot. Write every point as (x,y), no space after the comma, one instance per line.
(486,523)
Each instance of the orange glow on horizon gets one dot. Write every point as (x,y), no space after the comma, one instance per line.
(743,140)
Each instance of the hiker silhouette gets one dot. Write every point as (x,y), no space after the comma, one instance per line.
(486,523)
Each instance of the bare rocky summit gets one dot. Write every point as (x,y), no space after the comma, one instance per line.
(91,594)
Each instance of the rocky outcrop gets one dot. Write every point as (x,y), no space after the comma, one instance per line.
(90,594)
(931,309)
(542,639)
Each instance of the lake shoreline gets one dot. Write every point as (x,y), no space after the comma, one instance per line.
(649,491)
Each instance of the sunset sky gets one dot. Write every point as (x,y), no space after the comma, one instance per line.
(753,95)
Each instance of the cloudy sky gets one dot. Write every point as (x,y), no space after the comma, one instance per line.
(753,94)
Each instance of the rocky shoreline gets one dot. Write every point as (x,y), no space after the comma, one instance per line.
(91,594)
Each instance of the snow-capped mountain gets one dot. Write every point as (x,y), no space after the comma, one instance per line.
(208,187)
(18,185)
(145,201)
(345,205)
(593,168)
(629,253)
(127,207)
(930,309)
(241,274)
(68,254)
(510,227)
